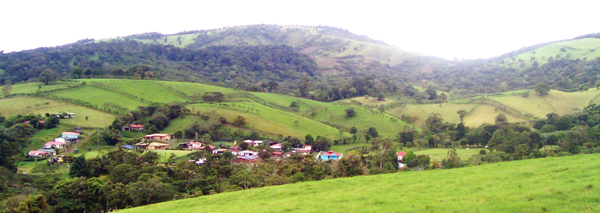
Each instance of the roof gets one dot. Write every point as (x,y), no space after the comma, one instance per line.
(136,126)
(152,144)
(234,147)
(330,153)
(37,152)
(258,141)
(54,142)
(277,144)
(195,143)
(157,134)
(249,151)
(70,133)
(247,141)
(251,157)
(401,154)
(42,122)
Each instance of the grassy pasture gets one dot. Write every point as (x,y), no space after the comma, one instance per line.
(98,96)
(447,111)
(269,120)
(363,120)
(370,101)
(487,114)
(191,88)
(30,105)
(555,101)
(439,154)
(148,90)
(34,87)
(284,100)
(565,184)
(580,48)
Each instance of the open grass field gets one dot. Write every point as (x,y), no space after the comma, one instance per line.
(163,155)
(574,49)
(34,87)
(439,154)
(370,101)
(487,114)
(362,120)
(269,120)
(343,147)
(192,88)
(284,100)
(565,184)
(30,105)
(447,111)
(98,96)
(148,90)
(555,101)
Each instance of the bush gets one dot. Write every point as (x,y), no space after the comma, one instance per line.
(350,112)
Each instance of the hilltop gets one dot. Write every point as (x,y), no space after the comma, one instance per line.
(540,185)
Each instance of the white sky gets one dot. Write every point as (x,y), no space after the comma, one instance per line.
(461,29)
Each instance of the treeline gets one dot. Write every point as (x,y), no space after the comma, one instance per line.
(215,64)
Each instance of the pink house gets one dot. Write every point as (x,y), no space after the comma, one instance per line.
(54,145)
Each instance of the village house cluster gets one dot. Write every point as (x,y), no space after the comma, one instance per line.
(49,149)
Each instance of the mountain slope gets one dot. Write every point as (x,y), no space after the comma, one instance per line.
(540,185)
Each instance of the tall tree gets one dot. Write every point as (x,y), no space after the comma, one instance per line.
(80,168)
(542,88)
(47,76)
(7,87)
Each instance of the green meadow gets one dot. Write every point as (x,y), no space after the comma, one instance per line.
(564,184)
(99,96)
(31,105)
(147,90)
(336,114)
(439,154)
(195,88)
(585,48)
(284,100)
(269,120)
(34,87)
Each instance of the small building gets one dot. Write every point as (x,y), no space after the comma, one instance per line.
(60,140)
(52,152)
(66,115)
(277,155)
(153,145)
(71,137)
(304,148)
(199,161)
(330,155)
(247,153)
(133,127)
(54,145)
(56,159)
(194,145)
(77,129)
(401,159)
(257,143)
(276,147)
(219,151)
(158,136)
(38,154)
(249,142)
(246,159)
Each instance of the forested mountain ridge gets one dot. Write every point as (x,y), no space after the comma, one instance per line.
(322,63)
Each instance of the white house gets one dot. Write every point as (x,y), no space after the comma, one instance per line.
(247,153)
(54,145)
(194,145)
(257,143)
(60,140)
(276,147)
(401,159)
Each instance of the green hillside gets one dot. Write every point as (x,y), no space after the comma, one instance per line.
(565,184)
(99,96)
(584,49)
(363,120)
(269,120)
(30,105)
(34,87)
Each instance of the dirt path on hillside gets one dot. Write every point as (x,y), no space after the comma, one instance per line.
(77,144)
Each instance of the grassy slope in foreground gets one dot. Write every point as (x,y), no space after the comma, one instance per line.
(566,184)
(98,96)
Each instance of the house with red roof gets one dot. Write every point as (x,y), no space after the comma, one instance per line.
(38,154)
(276,147)
(401,159)
(133,127)
(54,145)
(330,155)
